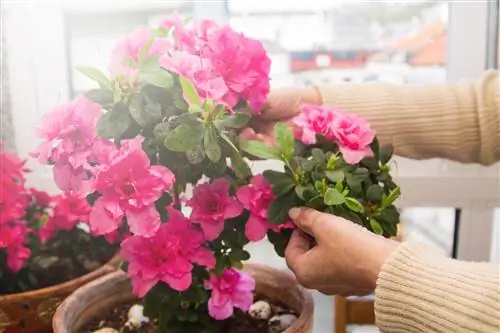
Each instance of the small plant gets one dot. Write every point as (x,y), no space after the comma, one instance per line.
(166,119)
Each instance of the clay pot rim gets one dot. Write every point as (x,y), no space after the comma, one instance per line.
(107,268)
(57,323)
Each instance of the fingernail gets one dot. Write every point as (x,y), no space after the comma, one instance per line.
(294,213)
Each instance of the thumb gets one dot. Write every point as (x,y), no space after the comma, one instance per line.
(285,103)
(311,221)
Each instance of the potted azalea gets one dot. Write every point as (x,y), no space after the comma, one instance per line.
(45,251)
(170,172)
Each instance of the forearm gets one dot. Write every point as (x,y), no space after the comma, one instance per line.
(460,122)
(419,291)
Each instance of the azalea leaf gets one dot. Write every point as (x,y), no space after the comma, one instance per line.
(238,120)
(184,137)
(100,96)
(260,149)
(333,197)
(95,74)
(277,212)
(114,123)
(283,136)
(190,94)
(376,227)
(335,176)
(211,145)
(157,77)
(386,154)
(354,205)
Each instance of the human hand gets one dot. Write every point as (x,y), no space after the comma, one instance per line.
(282,105)
(333,255)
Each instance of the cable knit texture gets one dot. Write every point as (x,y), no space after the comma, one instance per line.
(458,121)
(419,290)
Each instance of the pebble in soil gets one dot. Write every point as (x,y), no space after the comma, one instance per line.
(264,316)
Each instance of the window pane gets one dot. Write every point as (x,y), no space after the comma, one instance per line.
(339,41)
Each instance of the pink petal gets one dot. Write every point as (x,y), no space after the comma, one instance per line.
(101,220)
(203,257)
(178,283)
(221,312)
(140,286)
(212,230)
(144,222)
(255,228)
(233,209)
(244,195)
(353,156)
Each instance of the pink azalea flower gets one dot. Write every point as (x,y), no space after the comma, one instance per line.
(313,120)
(256,198)
(186,39)
(198,71)
(13,238)
(233,289)
(354,135)
(129,186)
(69,131)
(168,256)
(125,56)
(69,210)
(212,204)
(243,64)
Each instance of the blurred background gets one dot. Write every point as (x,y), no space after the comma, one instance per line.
(447,205)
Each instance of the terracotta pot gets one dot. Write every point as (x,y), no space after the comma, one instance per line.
(101,295)
(32,311)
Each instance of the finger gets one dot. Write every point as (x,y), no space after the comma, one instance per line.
(310,221)
(298,245)
(285,103)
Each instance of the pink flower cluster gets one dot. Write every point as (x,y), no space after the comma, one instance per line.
(232,289)
(352,134)
(28,211)
(256,198)
(168,256)
(70,143)
(223,64)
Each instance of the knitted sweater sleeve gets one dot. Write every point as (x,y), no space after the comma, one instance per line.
(458,121)
(418,290)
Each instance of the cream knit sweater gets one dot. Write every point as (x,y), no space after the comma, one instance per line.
(419,290)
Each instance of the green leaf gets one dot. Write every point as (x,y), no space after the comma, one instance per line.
(375,193)
(280,240)
(211,145)
(318,155)
(277,213)
(239,254)
(195,109)
(94,74)
(354,205)
(157,77)
(376,227)
(144,115)
(316,203)
(335,176)
(238,120)
(370,162)
(393,195)
(306,193)
(375,147)
(281,183)
(386,154)
(190,94)
(115,122)
(283,136)
(333,197)
(185,137)
(100,96)
(260,149)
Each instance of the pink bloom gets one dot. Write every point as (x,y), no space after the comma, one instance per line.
(69,131)
(198,71)
(125,56)
(233,289)
(168,256)
(313,120)
(212,204)
(78,181)
(129,186)
(189,40)
(256,198)
(69,210)
(354,135)
(13,238)
(40,198)
(243,64)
